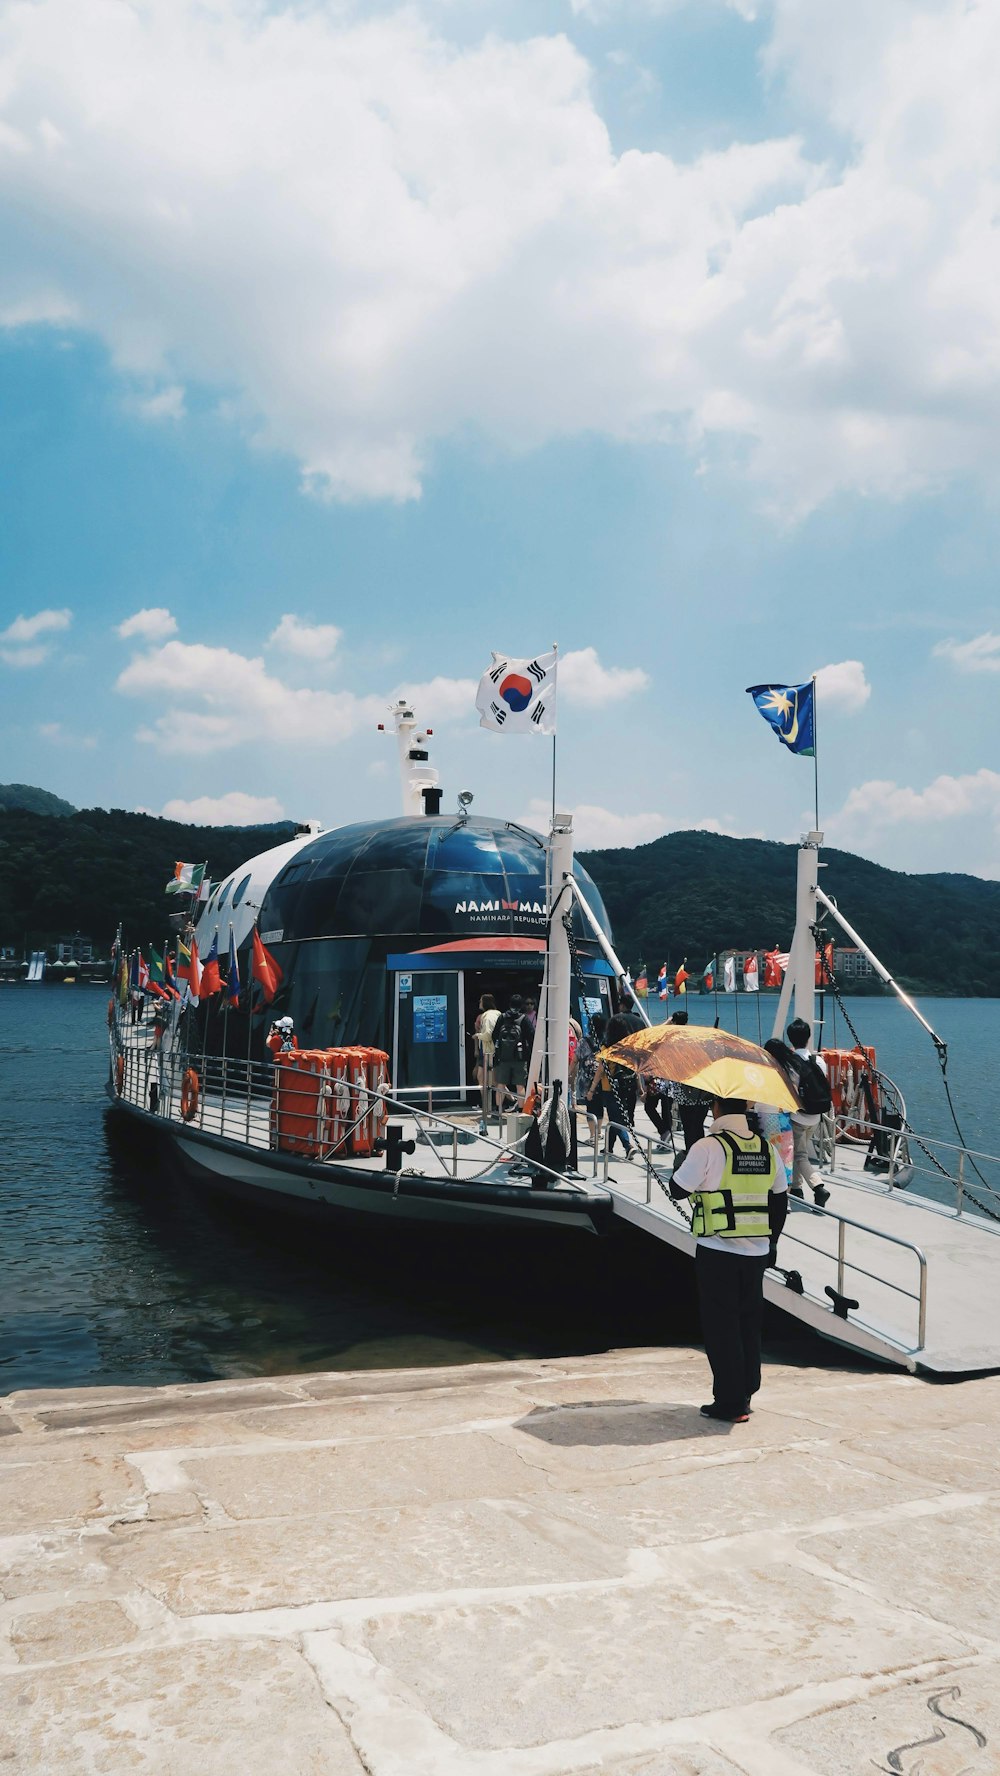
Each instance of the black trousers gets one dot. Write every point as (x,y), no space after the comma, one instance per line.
(692,1122)
(657,1109)
(731,1306)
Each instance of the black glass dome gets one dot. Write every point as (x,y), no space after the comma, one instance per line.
(417,879)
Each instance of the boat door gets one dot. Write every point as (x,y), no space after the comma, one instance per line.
(429,1029)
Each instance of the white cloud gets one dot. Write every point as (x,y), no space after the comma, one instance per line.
(981,654)
(881,801)
(152,624)
(842,687)
(46,309)
(370,239)
(57,735)
(44,622)
(583,679)
(216,698)
(314,641)
(235,808)
(596,828)
(167,403)
(19,643)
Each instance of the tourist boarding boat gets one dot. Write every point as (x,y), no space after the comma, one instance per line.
(384,936)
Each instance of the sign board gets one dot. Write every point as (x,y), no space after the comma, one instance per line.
(430,1017)
(406,983)
(593,1006)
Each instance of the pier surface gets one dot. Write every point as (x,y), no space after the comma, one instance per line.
(521,1569)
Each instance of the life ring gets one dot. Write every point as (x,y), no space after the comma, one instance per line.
(120,1074)
(111,1012)
(190,1090)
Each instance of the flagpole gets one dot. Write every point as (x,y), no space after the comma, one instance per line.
(815,753)
(555,675)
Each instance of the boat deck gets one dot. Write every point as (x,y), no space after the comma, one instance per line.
(920,1274)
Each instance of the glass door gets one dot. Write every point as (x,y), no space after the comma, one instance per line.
(429,1030)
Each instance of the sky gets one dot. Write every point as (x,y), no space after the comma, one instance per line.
(342,344)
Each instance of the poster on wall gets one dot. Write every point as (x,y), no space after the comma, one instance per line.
(430,1017)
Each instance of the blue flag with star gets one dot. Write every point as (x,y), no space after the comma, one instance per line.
(789,709)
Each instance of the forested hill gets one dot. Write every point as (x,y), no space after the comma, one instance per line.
(695,893)
(689,894)
(85,871)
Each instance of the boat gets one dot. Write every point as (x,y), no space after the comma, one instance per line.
(385,934)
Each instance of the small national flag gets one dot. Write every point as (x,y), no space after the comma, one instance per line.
(709,976)
(133,973)
(751,980)
(774,967)
(662,984)
(193,974)
(265,969)
(518,696)
(169,975)
(187,879)
(156,973)
(642,983)
(789,709)
(824,966)
(211,979)
(123,982)
(729,974)
(143,973)
(232,973)
(681,979)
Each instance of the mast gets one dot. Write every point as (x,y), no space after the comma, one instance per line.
(798,989)
(418,780)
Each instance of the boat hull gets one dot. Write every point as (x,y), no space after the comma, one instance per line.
(334,1190)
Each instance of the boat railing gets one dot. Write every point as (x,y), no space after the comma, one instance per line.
(234,1099)
(959,1177)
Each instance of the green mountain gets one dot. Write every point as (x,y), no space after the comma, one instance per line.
(694,894)
(86,871)
(34,801)
(688,894)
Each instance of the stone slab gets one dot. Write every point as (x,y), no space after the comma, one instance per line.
(564,1665)
(37,1493)
(947,1566)
(356,1555)
(66,1631)
(963,1459)
(935,1728)
(252,1707)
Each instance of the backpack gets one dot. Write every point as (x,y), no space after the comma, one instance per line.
(507,1043)
(813,1085)
(586,1065)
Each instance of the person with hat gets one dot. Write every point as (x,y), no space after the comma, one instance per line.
(739,1196)
(281,1038)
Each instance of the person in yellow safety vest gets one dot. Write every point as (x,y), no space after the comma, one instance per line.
(739,1195)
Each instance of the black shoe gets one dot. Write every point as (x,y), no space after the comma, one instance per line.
(796,1190)
(821,1197)
(712,1410)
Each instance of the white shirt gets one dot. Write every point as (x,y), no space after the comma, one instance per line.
(807,1119)
(703,1169)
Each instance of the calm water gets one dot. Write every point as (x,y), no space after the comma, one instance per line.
(116,1272)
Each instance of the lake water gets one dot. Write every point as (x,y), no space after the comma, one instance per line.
(117,1272)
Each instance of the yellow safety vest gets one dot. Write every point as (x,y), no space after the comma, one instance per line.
(737,1209)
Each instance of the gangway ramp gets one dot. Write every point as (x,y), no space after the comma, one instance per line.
(925,1275)
(36,966)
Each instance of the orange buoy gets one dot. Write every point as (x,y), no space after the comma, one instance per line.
(190,1091)
(120,1075)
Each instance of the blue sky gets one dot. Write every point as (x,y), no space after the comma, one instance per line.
(340,345)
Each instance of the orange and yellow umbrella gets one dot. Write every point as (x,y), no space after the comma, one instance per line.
(711,1061)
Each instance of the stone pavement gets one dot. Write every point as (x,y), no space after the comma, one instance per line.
(521,1569)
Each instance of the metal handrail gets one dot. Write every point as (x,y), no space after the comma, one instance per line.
(222,1069)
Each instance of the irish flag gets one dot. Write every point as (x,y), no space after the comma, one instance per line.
(187,878)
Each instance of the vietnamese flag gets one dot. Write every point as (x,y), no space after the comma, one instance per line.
(265,969)
(211,979)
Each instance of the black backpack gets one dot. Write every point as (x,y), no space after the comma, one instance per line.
(507,1043)
(813,1085)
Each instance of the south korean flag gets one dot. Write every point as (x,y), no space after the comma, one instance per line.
(518,696)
